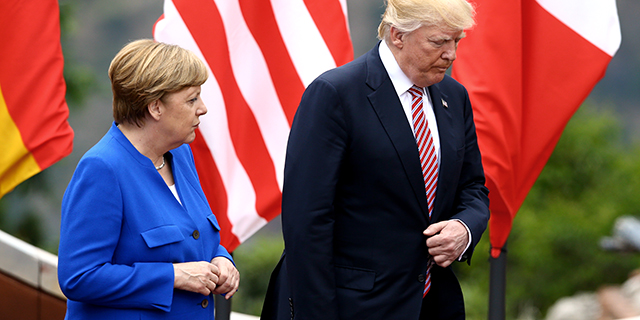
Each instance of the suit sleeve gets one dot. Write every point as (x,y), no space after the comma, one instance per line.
(472,201)
(92,214)
(316,147)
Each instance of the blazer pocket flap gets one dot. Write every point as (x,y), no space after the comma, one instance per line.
(355,278)
(214,222)
(163,235)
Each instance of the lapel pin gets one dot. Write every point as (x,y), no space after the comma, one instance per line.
(444,103)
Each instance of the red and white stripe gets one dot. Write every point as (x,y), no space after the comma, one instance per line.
(427,282)
(528,65)
(594,20)
(426,147)
(261,55)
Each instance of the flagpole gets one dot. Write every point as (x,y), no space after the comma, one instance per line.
(222,307)
(497,285)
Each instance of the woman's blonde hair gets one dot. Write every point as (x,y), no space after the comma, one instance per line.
(144,71)
(409,15)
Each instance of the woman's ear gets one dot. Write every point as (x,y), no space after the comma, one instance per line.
(155,109)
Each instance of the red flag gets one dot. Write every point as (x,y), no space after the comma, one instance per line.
(33,112)
(261,55)
(528,65)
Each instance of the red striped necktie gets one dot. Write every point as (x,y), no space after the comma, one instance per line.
(428,159)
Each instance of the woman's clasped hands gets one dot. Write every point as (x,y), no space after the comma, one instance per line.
(218,277)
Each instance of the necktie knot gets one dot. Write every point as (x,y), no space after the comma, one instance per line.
(416,91)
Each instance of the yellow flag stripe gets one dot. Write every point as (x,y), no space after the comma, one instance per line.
(16,162)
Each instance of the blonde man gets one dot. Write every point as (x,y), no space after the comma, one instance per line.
(384,186)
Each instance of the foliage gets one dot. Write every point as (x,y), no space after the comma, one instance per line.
(80,79)
(553,250)
(18,212)
(30,229)
(255,260)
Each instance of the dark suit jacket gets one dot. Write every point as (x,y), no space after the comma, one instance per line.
(354,205)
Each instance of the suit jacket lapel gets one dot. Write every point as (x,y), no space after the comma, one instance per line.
(447,149)
(387,106)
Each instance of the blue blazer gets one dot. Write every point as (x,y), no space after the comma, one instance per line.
(354,206)
(122,229)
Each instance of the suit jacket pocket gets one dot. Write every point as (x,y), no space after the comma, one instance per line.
(214,222)
(355,278)
(163,235)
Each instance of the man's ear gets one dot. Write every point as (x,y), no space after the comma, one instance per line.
(396,37)
(155,109)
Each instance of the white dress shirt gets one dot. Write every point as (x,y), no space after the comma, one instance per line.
(402,83)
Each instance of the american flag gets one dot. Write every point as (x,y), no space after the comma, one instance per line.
(261,54)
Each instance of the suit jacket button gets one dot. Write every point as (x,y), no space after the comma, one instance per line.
(204,303)
(421,277)
(196,234)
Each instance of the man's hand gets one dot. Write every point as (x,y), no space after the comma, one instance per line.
(229,277)
(446,241)
(199,276)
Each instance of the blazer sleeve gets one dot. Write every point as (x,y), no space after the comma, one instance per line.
(472,201)
(92,215)
(315,151)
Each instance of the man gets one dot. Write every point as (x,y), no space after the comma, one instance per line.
(376,204)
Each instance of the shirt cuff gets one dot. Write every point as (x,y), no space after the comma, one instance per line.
(468,243)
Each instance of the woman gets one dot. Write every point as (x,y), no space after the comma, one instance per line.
(138,239)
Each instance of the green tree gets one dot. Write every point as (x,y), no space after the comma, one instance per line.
(255,260)
(80,79)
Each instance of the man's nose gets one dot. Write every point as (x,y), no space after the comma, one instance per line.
(449,52)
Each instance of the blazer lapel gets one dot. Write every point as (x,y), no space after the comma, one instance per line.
(447,149)
(387,106)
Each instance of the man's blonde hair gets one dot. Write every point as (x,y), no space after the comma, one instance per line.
(409,15)
(144,71)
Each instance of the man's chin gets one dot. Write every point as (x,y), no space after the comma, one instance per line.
(436,78)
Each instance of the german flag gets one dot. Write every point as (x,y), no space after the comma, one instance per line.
(34,132)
